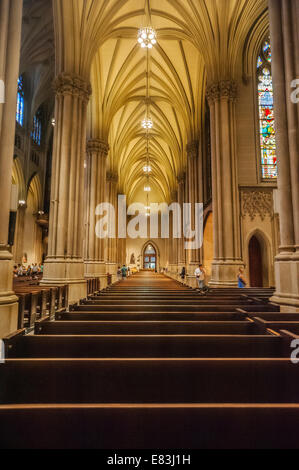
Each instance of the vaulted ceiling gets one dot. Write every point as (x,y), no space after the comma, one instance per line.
(38,52)
(176,90)
(199,41)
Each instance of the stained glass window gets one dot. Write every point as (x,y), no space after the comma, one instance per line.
(36,133)
(20,101)
(266,113)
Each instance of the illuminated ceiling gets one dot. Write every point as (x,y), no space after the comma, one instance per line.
(198,41)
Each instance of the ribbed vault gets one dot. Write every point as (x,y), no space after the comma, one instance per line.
(198,42)
(176,90)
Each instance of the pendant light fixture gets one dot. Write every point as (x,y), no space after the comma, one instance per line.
(147,37)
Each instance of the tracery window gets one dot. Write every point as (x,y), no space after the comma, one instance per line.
(20,101)
(36,133)
(266,113)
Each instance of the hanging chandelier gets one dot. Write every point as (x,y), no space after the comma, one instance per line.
(147,37)
(147,124)
(147,169)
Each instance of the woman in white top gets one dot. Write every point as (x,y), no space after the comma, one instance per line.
(200,274)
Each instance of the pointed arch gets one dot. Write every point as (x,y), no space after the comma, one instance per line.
(18,178)
(266,253)
(156,248)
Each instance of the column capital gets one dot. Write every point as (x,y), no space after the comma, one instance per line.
(192,149)
(174,196)
(181,178)
(72,84)
(224,89)
(112,177)
(97,146)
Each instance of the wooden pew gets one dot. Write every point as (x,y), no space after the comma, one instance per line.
(37,302)
(143,380)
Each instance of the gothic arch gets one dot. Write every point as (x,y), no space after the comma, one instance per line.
(18,178)
(34,186)
(151,242)
(253,44)
(266,254)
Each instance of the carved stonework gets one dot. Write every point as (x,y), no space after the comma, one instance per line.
(213,93)
(111,177)
(257,203)
(224,89)
(97,146)
(192,149)
(72,84)
(228,89)
(181,178)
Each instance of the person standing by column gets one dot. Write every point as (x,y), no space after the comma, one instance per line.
(241,279)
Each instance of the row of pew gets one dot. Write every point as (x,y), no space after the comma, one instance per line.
(150,364)
(39,302)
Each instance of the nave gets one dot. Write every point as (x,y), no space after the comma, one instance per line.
(148,363)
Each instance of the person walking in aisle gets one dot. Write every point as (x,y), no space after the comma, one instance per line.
(200,275)
(124,272)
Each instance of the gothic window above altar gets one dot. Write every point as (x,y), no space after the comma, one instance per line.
(266,113)
(20,101)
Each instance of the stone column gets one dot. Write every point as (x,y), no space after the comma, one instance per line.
(97,152)
(18,249)
(227,241)
(64,263)
(193,184)
(10,45)
(121,251)
(111,265)
(284,23)
(181,200)
(173,242)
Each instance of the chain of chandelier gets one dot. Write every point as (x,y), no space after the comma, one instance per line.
(147,38)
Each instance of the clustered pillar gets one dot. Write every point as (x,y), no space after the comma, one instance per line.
(227,240)
(97,152)
(173,242)
(64,264)
(112,183)
(193,197)
(181,199)
(284,23)
(10,45)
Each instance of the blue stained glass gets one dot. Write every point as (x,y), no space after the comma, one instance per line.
(267,51)
(267,99)
(259,62)
(36,133)
(20,101)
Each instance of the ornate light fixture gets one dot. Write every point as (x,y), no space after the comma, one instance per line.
(147,37)
(147,169)
(147,124)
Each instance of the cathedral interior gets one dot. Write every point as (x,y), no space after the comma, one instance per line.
(163,102)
